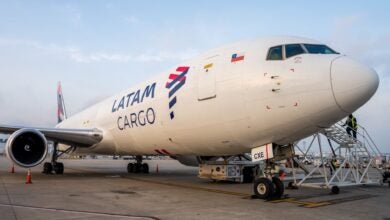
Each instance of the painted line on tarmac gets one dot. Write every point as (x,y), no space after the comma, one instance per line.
(351,198)
(293,200)
(309,204)
(298,201)
(187,186)
(8,196)
(111,215)
(305,204)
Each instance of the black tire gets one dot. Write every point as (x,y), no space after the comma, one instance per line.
(278,188)
(145,168)
(335,190)
(263,188)
(130,167)
(247,173)
(306,163)
(386,175)
(58,168)
(137,168)
(47,168)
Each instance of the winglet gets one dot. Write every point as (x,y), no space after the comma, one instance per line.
(61,111)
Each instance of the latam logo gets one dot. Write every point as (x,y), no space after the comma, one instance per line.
(176,81)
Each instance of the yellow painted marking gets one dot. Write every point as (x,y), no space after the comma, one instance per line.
(318,204)
(306,204)
(207,66)
(282,200)
(187,186)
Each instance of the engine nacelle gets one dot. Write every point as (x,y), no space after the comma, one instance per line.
(26,147)
(189,160)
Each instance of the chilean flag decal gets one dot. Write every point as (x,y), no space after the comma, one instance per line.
(237,57)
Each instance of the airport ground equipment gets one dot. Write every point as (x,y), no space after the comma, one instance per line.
(241,169)
(347,161)
(237,168)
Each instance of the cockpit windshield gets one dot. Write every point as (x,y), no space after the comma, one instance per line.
(286,51)
(319,49)
(293,49)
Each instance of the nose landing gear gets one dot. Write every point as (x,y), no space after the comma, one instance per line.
(266,189)
(268,186)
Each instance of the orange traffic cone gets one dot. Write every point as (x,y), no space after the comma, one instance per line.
(157,168)
(28,179)
(12,169)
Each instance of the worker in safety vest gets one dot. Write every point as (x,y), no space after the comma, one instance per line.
(352,125)
(333,165)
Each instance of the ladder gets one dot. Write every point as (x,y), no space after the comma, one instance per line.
(362,152)
(357,159)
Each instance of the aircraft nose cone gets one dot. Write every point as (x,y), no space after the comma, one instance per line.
(353,83)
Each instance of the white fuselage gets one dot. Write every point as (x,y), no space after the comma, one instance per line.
(222,107)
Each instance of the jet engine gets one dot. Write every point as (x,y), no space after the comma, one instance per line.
(189,160)
(26,147)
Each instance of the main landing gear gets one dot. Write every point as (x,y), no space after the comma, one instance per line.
(138,166)
(57,167)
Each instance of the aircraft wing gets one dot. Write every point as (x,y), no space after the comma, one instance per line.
(76,137)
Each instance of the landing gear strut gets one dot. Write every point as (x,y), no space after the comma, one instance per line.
(57,167)
(138,166)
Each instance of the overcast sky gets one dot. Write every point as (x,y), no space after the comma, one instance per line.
(98,48)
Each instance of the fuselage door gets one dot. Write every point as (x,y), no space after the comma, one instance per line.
(207,78)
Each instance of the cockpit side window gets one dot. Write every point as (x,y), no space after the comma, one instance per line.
(275,53)
(293,49)
(319,49)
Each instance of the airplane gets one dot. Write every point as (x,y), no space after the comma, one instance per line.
(227,101)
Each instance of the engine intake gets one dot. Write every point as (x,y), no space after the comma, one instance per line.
(26,147)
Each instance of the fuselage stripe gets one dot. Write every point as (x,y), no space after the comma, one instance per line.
(165,151)
(172,102)
(178,78)
(177,87)
(159,152)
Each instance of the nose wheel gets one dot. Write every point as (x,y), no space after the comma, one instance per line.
(263,188)
(267,189)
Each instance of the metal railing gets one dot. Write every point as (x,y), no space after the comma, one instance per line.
(356,157)
(363,138)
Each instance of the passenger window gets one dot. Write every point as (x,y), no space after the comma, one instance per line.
(275,53)
(293,49)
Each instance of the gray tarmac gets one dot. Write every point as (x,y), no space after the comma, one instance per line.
(102,189)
